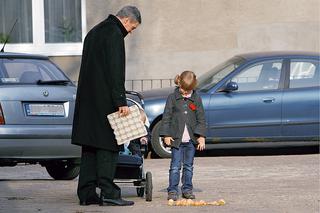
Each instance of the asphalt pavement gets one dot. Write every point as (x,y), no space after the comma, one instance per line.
(280,183)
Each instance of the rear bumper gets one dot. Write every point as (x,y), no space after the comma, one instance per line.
(35,131)
(42,142)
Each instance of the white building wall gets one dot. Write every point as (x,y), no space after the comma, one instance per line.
(176,35)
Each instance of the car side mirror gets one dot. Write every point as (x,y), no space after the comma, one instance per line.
(229,87)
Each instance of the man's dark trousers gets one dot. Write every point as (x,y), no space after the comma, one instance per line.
(97,169)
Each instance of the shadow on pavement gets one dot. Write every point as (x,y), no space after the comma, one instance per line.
(259,151)
(28,179)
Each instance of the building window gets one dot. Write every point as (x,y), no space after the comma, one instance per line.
(62,21)
(53,28)
(10,11)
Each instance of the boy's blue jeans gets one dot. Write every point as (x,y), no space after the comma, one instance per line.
(184,155)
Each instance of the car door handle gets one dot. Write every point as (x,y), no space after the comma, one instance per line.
(269,100)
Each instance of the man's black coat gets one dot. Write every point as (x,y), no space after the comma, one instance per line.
(101,85)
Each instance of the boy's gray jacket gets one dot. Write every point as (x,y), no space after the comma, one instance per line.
(180,111)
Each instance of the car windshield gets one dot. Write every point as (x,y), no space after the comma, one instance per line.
(213,76)
(29,71)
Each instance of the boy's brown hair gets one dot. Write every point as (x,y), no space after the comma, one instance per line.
(187,80)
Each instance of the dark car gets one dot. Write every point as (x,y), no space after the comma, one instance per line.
(253,100)
(36,114)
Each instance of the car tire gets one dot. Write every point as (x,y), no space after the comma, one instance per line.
(157,144)
(63,170)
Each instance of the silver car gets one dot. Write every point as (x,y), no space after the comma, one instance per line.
(36,114)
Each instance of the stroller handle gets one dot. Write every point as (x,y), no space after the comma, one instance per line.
(138,95)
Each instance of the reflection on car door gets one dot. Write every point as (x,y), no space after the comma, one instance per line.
(301,100)
(253,112)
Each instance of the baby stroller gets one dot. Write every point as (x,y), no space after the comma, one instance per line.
(130,167)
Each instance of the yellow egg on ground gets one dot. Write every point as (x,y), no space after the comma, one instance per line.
(190,202)
(221,202)
(202,202)
(170,202)
(178,203)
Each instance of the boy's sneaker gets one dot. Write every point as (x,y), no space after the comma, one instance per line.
(172,196)
(188,195)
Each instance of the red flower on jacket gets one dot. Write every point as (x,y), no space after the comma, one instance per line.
(192,106)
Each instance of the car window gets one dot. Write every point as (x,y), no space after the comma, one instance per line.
(304,73)
(212,77)
(261,76)
(28,71)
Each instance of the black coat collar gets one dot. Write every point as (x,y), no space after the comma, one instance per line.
(179,96)
(115,20)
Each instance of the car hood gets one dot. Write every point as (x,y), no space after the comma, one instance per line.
(157,93)
(155,100)
(162,93)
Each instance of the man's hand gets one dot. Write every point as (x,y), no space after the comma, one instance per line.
(123,111)
(201,143)
(168,140)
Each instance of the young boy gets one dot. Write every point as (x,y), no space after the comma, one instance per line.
(183,127)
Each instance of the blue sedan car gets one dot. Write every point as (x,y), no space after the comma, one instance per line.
(253,100)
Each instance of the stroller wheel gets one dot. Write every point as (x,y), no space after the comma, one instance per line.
(149,186)
(140,192)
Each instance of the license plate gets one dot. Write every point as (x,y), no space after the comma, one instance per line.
(54,110)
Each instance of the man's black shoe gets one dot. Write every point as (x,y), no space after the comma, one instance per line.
(89,202)
(115,202)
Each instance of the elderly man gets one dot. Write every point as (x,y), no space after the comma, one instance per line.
(100,92)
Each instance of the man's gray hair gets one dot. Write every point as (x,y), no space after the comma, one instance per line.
(130,12)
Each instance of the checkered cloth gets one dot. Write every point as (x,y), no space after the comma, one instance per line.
(129,127)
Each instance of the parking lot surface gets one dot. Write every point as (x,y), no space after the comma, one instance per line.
(283,183)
